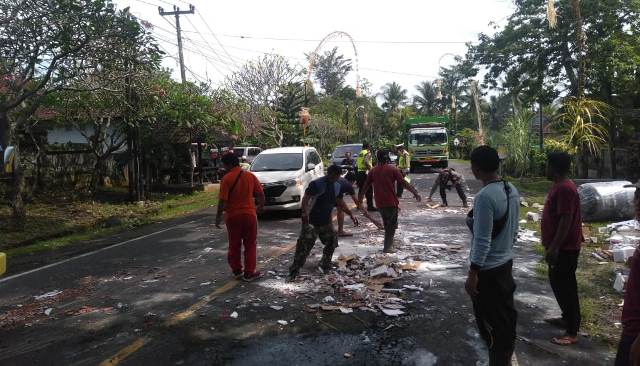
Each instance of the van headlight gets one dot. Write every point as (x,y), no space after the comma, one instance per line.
(292,182)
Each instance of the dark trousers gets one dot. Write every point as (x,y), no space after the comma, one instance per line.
(496,314)
(624,349)
(459,189)
(361,178)
(390,222)
(400,186)
(562,277)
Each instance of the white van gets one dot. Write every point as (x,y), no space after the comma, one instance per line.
(285,173)
(250,152)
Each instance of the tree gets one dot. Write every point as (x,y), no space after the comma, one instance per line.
(260,84)
(578,122)
(331,70)
(425,102)
(394,97)
(515,135)
(289,105)
(43,57)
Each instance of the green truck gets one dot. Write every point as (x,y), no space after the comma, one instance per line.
(428,141)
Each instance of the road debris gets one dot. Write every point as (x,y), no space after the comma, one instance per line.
(53,293)
(48,311)
(283,322)
(234,315)
(275,307)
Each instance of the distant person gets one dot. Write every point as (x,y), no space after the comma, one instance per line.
(404,164)
(244,164)
(363,166)
(447,179)
(494,226)
(348,162)
(237,191)
(320,197)
(629,346)
(346,188)
(561,228)
(384,178)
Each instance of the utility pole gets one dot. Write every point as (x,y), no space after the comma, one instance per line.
(476,101)
(177,12)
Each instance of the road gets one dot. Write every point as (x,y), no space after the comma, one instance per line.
(167,298)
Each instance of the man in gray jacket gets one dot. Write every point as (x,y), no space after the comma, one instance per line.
(494,225)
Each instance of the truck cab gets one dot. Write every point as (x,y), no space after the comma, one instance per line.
(428,141)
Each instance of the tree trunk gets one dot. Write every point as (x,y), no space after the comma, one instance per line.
(97,178)
(17,203)
(476,101)
(4,130)
(580,46)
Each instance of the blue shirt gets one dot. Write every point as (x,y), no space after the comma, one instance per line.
(324,200)
(345,188)
(490,204)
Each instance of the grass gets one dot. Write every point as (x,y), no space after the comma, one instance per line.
(598,301)
(59,220)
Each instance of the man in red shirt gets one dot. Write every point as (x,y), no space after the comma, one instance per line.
(237,191)
(562,237)
(384,178)
(629,347)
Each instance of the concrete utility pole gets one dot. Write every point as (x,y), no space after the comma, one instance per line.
(177,12)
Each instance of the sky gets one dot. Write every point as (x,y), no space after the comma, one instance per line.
(396,40)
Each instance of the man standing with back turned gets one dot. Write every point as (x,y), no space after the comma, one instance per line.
(384,178)
(562,237)
(237,191)
(494,225)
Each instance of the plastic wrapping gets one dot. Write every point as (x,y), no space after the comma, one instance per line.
(606,201)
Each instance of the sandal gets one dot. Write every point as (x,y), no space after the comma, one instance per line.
(565,340)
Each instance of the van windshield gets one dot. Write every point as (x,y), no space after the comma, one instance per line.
(341,151)
(277,162)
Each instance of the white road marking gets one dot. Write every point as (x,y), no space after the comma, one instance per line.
(18,275)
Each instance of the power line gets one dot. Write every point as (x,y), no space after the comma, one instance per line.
(209,45)
(318,40)
(216,38)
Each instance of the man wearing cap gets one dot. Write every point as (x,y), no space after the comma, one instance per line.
(447,179)
(629,346)
(404,164)
(363,166)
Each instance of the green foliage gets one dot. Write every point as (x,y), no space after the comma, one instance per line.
(578,122)
(515,138)
(331,70)
(394,95)
(468,141)
(425,102)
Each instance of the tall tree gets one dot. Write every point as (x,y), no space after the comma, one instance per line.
(425,102)
(42,57)
(260,84)
(331,70)
(394,96)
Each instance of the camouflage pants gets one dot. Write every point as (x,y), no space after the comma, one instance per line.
(307,240)
(390,221)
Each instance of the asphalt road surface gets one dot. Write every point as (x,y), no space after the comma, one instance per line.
(163,295)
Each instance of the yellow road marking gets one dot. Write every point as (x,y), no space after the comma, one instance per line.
(183,315)
(125,352)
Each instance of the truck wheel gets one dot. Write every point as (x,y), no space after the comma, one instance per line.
(412,168)
(445,164)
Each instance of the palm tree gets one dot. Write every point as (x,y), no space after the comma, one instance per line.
(394,97)
(425,101)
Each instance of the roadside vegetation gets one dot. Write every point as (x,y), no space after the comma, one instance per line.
(69,219)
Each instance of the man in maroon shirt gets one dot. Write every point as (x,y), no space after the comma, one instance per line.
(562,237)
(629,347)
(384,178)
